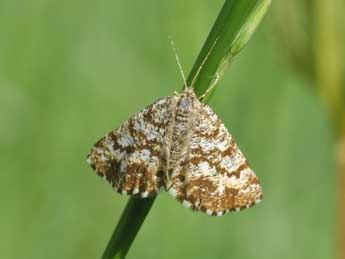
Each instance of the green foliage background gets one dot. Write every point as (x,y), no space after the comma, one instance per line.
(70,71)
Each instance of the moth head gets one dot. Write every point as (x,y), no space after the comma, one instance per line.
(189,91)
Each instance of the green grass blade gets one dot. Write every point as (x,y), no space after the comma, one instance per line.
(233,28)
(128,226)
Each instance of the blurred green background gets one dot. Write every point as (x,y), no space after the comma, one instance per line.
(70,71)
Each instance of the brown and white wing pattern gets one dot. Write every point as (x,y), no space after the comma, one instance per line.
(130,156)
(215,177)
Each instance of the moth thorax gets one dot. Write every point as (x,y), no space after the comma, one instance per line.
(185,104)
(183,115)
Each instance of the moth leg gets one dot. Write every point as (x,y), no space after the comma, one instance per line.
(213,84)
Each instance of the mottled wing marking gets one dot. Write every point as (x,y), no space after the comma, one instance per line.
(181,145)
(215,177)
(130,156)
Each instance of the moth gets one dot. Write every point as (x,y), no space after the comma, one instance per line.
(178,144)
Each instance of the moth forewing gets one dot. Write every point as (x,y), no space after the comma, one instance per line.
(181,145)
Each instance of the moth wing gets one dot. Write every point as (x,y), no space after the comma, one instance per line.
(130,156)
(215,177)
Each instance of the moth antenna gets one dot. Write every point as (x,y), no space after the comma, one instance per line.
(178,63)
(203,63)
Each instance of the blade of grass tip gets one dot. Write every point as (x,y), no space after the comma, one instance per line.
(234,26)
